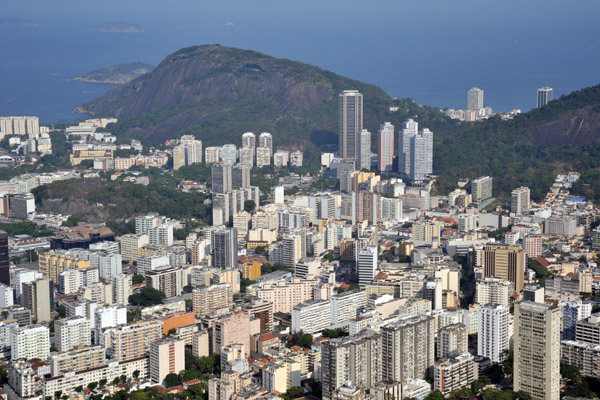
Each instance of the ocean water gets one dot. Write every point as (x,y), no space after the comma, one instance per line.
(432,51)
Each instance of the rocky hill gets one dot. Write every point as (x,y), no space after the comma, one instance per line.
(117,74)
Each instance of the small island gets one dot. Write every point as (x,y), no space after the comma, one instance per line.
(118,27)
(117,74)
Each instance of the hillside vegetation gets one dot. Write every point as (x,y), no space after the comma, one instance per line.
(119,74)
(216,93)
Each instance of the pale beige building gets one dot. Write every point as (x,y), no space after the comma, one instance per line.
(210,298)
(286,295)
(231,329)
(131,246)
(53,262)
(537,350)
(506,262)
(131,341)
(167,356)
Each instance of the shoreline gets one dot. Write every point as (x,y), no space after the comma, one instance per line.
(82,79)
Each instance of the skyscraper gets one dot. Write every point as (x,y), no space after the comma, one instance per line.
(519,200)
(221,177)
(350,122)
(364,150)
(366,265)
(385,147)
(493,337)
(506,262)
(4,262)
(225,248)
(241,176)
(415,151)
(266,140)
(229,154)
(475,99)
(249,140)
(536,368)
(544,96)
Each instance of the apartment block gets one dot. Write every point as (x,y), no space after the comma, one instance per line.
(210,298)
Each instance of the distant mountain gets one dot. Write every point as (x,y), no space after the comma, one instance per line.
(17,22)
(119,74)
(118,27)
(217,93)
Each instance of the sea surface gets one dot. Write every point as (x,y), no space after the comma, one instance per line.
(432,51)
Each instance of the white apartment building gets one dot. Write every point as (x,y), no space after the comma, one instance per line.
(29,342)
(493,336)
(493,291)
(70,333)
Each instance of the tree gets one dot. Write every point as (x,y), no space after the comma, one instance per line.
(139,395)
(92,385)
(102,382)
(249,206)
(136,373)
(172,380)
(116,381)
(300,339)
(435,395)
(147,297)
(137,279)
(79,389)
(16,260)
(57,394)
(73,220)
(293,393)
(259,250)
(62,311)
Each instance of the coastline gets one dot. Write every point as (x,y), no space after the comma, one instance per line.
(111,82)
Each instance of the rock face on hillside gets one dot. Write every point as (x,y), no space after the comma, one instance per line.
(204,85)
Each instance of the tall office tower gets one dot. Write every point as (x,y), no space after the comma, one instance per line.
(493,331)
(249,140)
(229,154)
(544,96)
(38,296)
(475,99)
(350,359)
(225,248)
(452,340)
(72,332)
(536,369)
(167,356)
(366,265)
(350,123)
(221,177)
(573,312)
(29,342)
(178,157)
(519,200)
(385,147)
(4,262)
(506,262)
(415,151)
(364,150)
(266,140)
(481,189)
(408,348)
(240,178)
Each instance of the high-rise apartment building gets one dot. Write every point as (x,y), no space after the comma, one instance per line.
(263,156)
(519,200)
(475,99)
(167,356)
(71,333)
(351,359)
(415,151)
(266,140)
(385,147)
(493,291)
(168,280)
(144,223)
(536,369)
(350,123)
(193,149)
(38,296)
(454,373)
(366,265)
(29,342)
(230,329)
(121,289)
(408,349)
(544,96)
(452,340)
(493,331)
(178,157)
(131,245)
(364,150)
(4,261)
(573,312)
(533,246)
(249,140)
(225,248)
(212,154)
(506,262)
(588,330)
(246,156)
(210,298)
(221,173)
(131,341)
(481,189)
